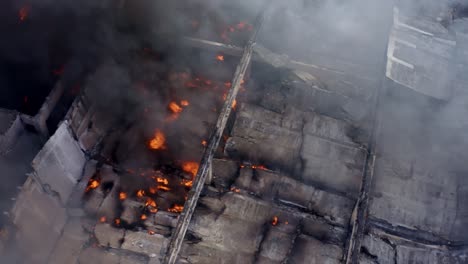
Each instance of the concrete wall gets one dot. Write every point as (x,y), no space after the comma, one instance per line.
(40,214)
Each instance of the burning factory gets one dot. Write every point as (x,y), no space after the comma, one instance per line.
(233,132)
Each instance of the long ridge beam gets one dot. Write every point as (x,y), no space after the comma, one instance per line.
(185,217)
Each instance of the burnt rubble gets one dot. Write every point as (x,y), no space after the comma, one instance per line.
(307,163)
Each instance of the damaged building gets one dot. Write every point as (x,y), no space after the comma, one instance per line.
(239,132)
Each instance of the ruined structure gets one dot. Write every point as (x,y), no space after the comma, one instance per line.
(251,153)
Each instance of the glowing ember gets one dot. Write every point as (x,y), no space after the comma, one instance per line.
(23,13)
(236,190)
(122,196)
(140,193)
(184,103)
(103,219)
(256,167)
(176,209)
(220,57)
(204,143)
(117,221)
(175,108)
(92,184)
(190,167)
(275,221)
(143,217)
(151,232)
(158,142)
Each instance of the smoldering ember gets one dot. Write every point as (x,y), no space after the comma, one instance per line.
(245,131)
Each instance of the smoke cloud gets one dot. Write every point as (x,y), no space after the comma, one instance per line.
(123,54)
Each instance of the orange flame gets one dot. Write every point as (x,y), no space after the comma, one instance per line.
(187,183)
(175,108)
(140,193)
(143,217)
(117,221)
(204,143)
(103,219)
(92,184)
(259,167)
(236,190)
(275,221)
(151,205)
(184,103)
(162,180)
(190,167)
(220,57)
(150,202)
(151,232)
(158,142)
(164,188)
(176,209)
(255,167)
(122,196)
(234,103)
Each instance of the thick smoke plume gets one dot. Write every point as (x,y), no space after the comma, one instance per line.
(104,47)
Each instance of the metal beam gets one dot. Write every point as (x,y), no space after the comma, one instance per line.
(360,213)
(260,54)
(194,194)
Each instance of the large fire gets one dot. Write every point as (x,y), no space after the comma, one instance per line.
(166,184)
(190,167)
(158,141)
